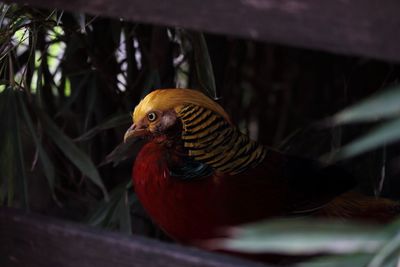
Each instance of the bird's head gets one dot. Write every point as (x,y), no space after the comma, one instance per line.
(160,111)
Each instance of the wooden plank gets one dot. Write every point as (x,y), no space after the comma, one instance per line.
(38,241)
(357,27)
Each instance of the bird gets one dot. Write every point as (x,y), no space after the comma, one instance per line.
(197,173)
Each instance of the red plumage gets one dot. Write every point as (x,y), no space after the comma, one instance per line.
(192,210)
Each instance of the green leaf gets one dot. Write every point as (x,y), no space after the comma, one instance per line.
(39,83)
(111,123)
(103,212)
(4,9)
(381,105)
(122,212)
(12,163)
(73,153)
(387,133)
(47,164)
(20,171)
(78,89)
(116,212)
(122,152)
(351,260)
(303,237)
(203,66)
(388,253)
(6,148)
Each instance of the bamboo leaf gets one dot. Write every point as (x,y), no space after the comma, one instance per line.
(387,133)
(381,105)
(204,69)
(39,83)
(73,153)
(122,213)
(102,214)
(47,164)
(20,171)
(6,148)
(75,94)
(111,123)
(122,152)
(351,260)
(4,9)
(12,161)
(303,237)
(116,212)
(388,253)
(60,17)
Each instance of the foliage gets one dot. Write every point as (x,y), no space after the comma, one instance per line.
(69,81)
(381,106)
(343,244)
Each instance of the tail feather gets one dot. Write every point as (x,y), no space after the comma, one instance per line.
(354,205)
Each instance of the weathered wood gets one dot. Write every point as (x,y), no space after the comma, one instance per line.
(360,27)
(38,241)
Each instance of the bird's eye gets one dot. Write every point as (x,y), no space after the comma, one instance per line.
(152,116)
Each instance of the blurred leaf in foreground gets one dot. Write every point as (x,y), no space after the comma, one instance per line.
(384,134)
(303,237)
(382,105)
(342,243)
(351,260)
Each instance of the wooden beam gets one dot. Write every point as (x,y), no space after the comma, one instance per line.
(38,241)
(354,27)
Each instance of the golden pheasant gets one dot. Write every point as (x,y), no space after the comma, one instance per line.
(197,173)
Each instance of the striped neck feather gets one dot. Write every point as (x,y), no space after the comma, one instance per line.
(210,139)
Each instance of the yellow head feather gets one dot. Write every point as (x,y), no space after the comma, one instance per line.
(167,99)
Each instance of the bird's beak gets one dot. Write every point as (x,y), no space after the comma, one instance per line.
(134,131)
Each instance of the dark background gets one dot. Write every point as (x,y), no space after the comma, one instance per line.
(278,94)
